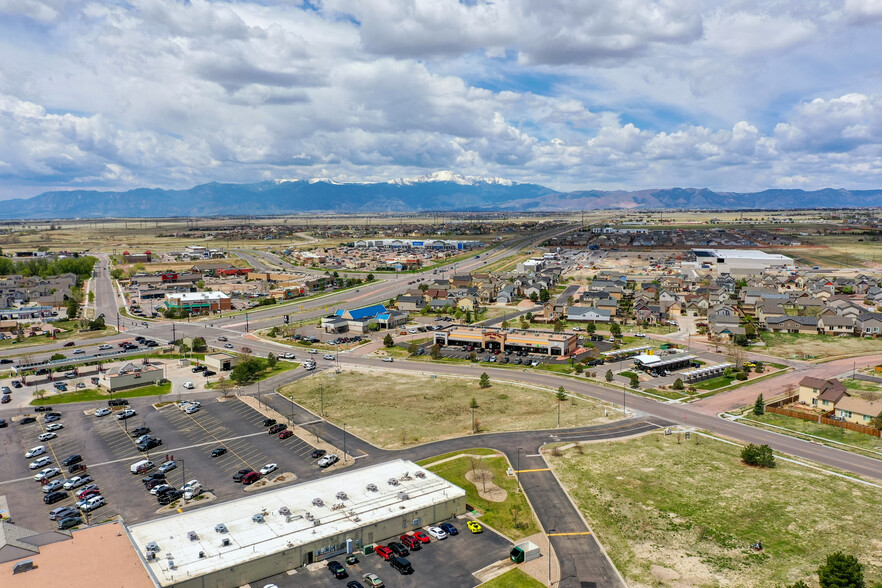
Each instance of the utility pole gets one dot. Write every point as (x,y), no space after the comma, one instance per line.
(518,470)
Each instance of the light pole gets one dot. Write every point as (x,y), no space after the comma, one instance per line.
(518,470)
(344,442)
(548,538)
(258,392)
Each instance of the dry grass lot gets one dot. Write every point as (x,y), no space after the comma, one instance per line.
(398,410)
(685,514)
(815,346)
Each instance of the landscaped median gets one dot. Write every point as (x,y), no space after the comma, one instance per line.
(483,474)
(513,579)
(91,395)
(394,410)
(671,511)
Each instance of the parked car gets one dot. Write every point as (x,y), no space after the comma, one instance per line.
(269,422)
(118,402)
(317,453)
(250,478)
(188,385)
(277,428)
(43,409)
(72,459)
(337,569)
(328,460)
(35,451)
(169,497)
(448,528)
(27,421)
(437,533)
(411,542)
(77,481)
(126,414)
(52,486)
(399,548)
(475,527)
(61,512)
(77,467)
(219,452)
(69,522)
(286,433)
(384,552)
(46,474)
(167,467)
(421,537)
(268,469)
(87,491)
(240,475)
(402,565)
(54,497)
(92,503)
(139,432)
(149,444)
(373,581)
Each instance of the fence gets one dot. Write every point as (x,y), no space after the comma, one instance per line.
(782,401)
(824,420)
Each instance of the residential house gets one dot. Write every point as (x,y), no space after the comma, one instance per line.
(792,324)
(857,410)
(588,314)
(836,325)
(868,324)
(820,393)
(410,303)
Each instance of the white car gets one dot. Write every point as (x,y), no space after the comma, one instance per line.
(189,385)
(52,486)
(189,485)
(35,451)
(129,412)
(437,532)
(54,427)
(93,503)
(313,351)
(78,352)
(191,409)
(268,469)
(639,335)
(42,462)
(46,474)
(329,357)
(102,412)
(387,359)
(104,347)
(193,491)
(157,489)
(77,481)
(47,436)
(328,460)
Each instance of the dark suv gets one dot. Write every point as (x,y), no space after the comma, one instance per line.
(399,549)
(139,431)
(118,402)
(277,428)
(72,460)
(149,444)
(402,565)
(237,477)
(337,569)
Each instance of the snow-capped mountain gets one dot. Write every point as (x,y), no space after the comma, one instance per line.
(449,176)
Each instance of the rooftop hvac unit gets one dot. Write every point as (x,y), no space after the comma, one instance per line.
(318,502)
(151,556)
(406,476)
(220,528)
(402,496)
(420,474)
(316,522)
(258,518)
(372,487)
(201,555)
(226,542)
(153,546)
(171,564)
(192,535)
(23,566)
(284,511)
(341,495)
(392,481)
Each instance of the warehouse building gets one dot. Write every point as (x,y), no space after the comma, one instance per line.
(741,262)
(492,338)
(241,541)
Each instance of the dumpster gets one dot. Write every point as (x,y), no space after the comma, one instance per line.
(524,551)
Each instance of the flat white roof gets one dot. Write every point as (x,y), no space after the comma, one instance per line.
(307,523)
(196,296)
(745,254)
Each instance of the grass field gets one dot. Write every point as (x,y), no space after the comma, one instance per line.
(398,410)
(840,435)
(512,517)
(70,333)
(714,383)
(91,395)
(815,346)
(685,514)
(513,579)
(473,451)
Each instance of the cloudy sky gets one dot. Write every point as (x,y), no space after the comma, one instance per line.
(726,94)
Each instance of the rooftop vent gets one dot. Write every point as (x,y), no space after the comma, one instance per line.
(341,495)
(372,487)
(23,566)
(226,542)
(192,535)
(151,556)
(201,555)
(220,528)
(318,502)
(420,474)
(153,546)
(258,518)
(284,511)
(406,476)
(392,481)
(171,564)
(402,496)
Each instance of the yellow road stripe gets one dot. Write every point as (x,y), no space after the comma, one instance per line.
(568,534)
(536,470)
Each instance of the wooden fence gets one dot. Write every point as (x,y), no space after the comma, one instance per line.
(781,402)
(824,420)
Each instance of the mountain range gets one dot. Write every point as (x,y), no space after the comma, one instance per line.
(441,191)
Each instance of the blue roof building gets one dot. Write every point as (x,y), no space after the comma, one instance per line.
(367,312)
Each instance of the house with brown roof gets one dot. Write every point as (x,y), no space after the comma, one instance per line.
(836,325)
(857,410)
(824,394)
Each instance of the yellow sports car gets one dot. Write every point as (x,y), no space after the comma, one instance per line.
(475,527)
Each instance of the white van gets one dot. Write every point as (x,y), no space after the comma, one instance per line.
(141,466)
(192,489)
(189,385)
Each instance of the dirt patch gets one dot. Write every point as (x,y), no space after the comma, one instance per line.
(483,481)
(275,480)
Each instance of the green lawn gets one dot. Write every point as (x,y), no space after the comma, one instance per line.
(830,433)
(499,515)
(685,513)
(714,383)
(560,368)
(672,394)
(513,579)
(91,394)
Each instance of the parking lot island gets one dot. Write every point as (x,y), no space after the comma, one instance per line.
(244,540)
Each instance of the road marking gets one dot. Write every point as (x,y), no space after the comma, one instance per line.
(534,455)
(536,470)
(569,534)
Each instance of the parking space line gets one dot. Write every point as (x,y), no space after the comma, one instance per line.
(198,424)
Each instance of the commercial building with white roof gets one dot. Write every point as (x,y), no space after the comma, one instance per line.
(241,541)
(741,262)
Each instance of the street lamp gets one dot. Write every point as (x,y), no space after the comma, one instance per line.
(518,470)
(344,442)
(548,538)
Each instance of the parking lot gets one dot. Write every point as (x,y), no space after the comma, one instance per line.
(108,449)
(450,562)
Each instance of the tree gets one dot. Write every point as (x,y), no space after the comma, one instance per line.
(570,301)
(742,340)
(591,328)
(473,356)
(579,368)
(635,381)
(91,296)
(841,571)
(388,341)
(558,327)
(413,348)
(73,307)
(504,324)
(435,353)
(199,344)
(468,316)
(224,386)
(116,274)
(534,297)
(758,455)
(484,382)
(247,370)
(615,329)
(271,360)
(561,395)
(474,406)
(529,316)
(184,348)
(423,287)
(56,356)
(544,295)
(369,278)
(678,384)
(609,376)
(97,324)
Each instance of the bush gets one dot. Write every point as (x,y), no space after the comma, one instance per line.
(741,376)
(388,341)
(758,455)
(678,384)
(841,571)
(484,382)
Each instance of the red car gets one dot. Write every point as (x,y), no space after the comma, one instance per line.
(87,493)
(421,536)
(384,552)
(285,434)
(251,478)
(411,542)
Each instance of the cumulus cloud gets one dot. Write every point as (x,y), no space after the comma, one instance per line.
(573,94)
